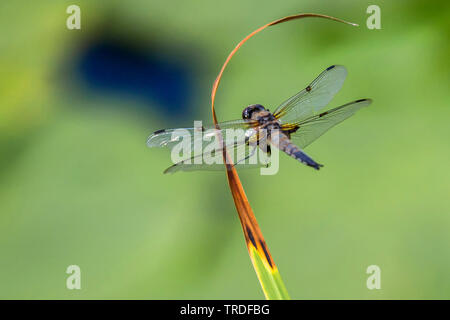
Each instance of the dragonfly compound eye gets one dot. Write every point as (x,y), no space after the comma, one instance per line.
(247,113)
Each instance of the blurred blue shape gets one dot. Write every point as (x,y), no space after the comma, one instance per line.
(157,79)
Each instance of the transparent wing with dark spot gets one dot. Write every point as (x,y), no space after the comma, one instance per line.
(200,136)
(312,128)
(314,97)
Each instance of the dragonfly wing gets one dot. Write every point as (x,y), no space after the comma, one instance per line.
(199,136)
(314,97)
(312,128)
(243,157)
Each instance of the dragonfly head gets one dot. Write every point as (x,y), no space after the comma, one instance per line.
(247,113)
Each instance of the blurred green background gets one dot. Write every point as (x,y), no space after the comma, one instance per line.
(79,186)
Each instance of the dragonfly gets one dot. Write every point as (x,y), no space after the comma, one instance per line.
(294,125)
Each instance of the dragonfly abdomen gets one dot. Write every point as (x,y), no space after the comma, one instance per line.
(291,149)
